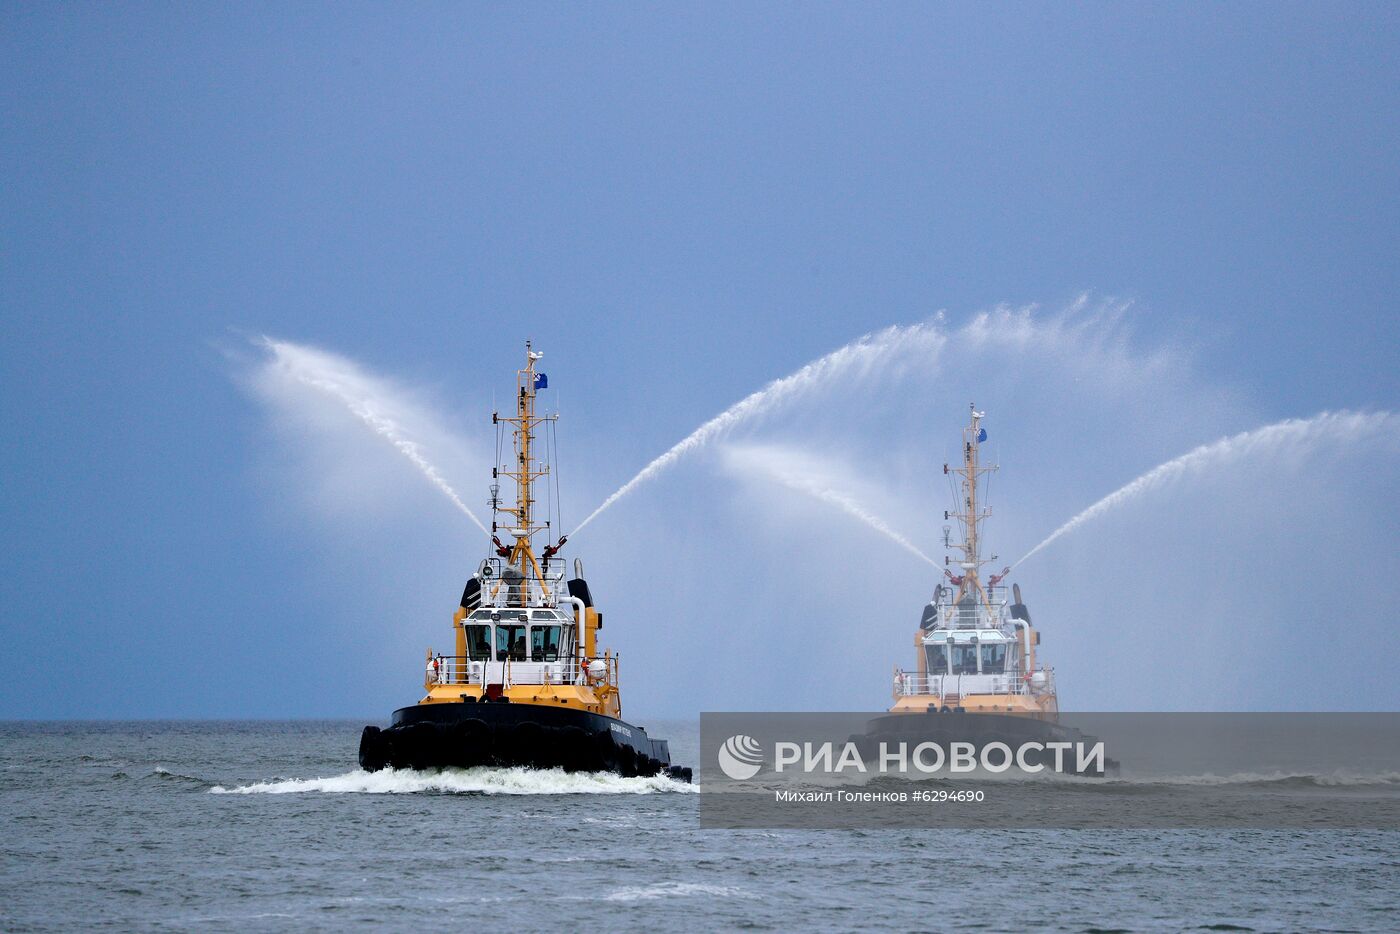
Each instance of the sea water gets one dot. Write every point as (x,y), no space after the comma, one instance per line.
(254,826)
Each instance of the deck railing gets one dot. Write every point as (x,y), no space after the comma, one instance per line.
(480,672)
(969,616)
(500,586)
(1010,682)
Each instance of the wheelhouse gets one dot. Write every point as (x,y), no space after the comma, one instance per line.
(969,652)
(518,635)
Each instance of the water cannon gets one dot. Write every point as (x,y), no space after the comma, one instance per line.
(998,578)
(551,550)
(501,550)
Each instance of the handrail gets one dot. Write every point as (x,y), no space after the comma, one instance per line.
(465,670)
(1010,682)
(978,615)
(545,590)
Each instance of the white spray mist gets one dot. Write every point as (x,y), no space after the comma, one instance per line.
(796,472)
(320,372)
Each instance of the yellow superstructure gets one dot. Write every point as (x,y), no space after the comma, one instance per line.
(450,685)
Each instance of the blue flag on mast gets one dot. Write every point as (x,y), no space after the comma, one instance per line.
(541,381)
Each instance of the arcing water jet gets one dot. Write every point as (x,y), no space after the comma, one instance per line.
(781,466)
(301,365)
(858,356)
(1271,439)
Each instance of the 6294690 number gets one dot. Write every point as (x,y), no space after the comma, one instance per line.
(944,796)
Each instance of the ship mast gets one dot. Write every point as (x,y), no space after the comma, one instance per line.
(970,514)
(521,554)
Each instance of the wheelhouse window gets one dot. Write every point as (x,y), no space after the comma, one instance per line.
(478,642)
(510,642)
(937,658)
(544,643)
(964,659)
(994,658)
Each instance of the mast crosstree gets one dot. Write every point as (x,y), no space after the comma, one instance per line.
(523,470)
(970,515)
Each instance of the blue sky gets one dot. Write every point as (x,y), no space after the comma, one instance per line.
(679,205)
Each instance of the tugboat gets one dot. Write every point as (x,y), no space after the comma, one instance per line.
(526,684)
(978,677)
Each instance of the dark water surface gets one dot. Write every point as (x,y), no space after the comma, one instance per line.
(269,826)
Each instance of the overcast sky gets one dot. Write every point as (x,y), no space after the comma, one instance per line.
(680,204)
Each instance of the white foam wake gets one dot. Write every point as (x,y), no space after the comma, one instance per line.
(482,780)
(1340,427)
(855,358)
(795,471)
(308,368)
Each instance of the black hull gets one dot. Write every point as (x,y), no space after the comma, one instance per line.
(431,736)
(979,729)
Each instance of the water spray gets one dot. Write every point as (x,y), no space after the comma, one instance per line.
(383,426)
(1336,426)
(859,355)
(754,459)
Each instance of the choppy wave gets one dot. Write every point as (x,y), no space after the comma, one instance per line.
(1294,779)
(487,781)
(766,785)
(674,890)
(165,774)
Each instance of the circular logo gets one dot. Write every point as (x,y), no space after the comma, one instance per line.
(740,757)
